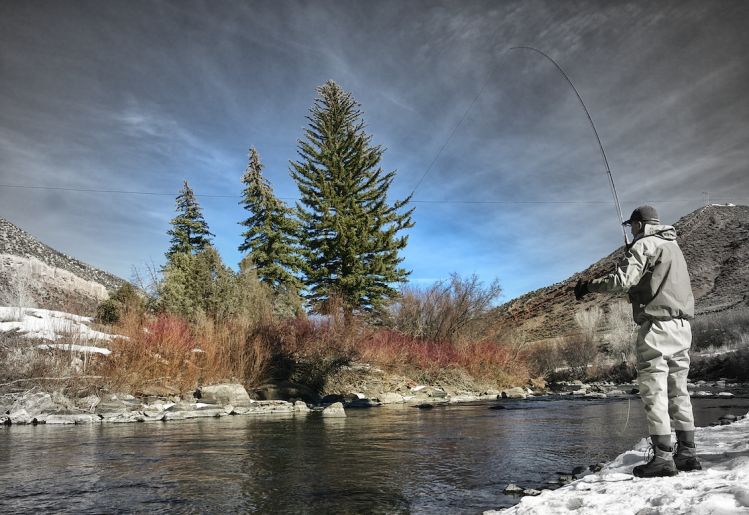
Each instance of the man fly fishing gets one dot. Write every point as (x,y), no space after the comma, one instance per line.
(654,273)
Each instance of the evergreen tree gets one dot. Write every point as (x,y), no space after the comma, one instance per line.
(349,231)
(270,233)
(189,231)
(198,285)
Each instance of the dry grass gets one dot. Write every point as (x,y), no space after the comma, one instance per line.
(495,363)
(168,352)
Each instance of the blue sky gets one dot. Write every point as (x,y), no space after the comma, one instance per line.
(139,96)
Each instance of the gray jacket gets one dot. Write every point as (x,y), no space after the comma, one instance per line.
(655,275)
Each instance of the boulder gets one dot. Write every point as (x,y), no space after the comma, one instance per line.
(31,407)
(301,407)
(513,393)
(224,394)
(334,410)
(725,395)
(512,488)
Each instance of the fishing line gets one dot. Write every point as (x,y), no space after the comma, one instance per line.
(595,132)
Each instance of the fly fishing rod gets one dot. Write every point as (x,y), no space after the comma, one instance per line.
(595,132)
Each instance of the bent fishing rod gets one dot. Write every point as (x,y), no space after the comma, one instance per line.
(595,132)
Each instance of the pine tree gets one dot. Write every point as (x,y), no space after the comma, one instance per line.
(271,233)
(189,231)
(349,231)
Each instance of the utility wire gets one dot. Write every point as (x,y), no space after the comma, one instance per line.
(157,193)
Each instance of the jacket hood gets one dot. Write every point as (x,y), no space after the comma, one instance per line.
(665,232)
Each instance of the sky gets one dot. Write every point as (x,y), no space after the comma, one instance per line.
(507,178)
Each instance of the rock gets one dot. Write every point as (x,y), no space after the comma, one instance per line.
(30,408)
(492,392)
(224,394)
(729,417)
(390,398)
(417,389)
(81,418)
(361,403)
(456,399)
(425,405)
(701,393)
(582,391)
(566,478)
(615,392)
(595,395)
(578,470)
(334,410)
(531,491)
(513,489)
(301,407)
(513,393)
(122,417)
(266,408)
(725,395)
(117,403)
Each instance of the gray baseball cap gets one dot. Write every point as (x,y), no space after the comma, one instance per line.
(644,214)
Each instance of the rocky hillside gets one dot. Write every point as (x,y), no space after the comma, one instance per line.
(715,242)
(36,275)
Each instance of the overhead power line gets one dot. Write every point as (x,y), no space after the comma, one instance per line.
(489,202)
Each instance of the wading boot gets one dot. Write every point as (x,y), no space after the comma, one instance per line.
(685,456)
(662,463)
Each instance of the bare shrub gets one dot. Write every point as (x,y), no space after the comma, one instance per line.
(457,309)
(622,331)
(578,352)
(19,293)
(544,358)
(719,330)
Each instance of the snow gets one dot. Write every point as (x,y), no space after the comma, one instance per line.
(49,325)
(75,348)
(721,487)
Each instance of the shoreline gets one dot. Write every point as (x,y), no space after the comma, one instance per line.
(229,399)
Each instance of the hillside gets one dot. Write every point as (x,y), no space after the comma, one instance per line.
(36,275)
(715,242)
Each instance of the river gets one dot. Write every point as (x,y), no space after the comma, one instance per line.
(454,459)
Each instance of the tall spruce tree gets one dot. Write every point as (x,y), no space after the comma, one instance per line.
(189,231)
(349,231)
(271,234)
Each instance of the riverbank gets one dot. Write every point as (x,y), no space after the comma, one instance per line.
(720,487)
(221,400)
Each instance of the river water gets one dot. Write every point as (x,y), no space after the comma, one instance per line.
(454,459)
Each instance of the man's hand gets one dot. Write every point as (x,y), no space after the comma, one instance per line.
(581,289)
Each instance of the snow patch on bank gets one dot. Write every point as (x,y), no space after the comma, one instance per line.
(721,487)
(49,325)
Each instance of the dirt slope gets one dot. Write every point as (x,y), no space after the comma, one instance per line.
(715,242)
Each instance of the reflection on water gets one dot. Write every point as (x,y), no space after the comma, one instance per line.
(454,459)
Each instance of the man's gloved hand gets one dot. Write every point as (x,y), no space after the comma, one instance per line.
(581,289)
